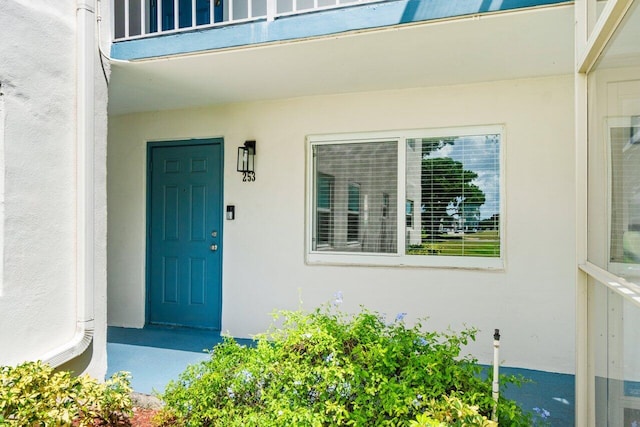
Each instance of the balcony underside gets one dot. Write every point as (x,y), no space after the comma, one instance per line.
(522,43)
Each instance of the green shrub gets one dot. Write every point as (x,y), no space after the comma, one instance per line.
(326,368)
(451,411)
(33,394)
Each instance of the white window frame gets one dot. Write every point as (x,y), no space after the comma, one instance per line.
(399,258)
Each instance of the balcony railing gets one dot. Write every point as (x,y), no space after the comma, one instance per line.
(147,18)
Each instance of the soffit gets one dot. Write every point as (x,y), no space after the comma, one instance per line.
(501,46)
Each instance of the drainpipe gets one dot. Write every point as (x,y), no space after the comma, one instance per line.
(85,136)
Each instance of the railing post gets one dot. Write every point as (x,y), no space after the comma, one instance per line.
(193,13)
(176,14)
(143,17)
(126,18)
(272,9)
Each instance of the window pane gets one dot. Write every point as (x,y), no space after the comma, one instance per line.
(456,180)
(357,211)
(625,192)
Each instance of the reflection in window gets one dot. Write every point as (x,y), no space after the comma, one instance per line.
(409,213)
(324,204)
(625,190)
(353,213)
(457,180)
(356,197)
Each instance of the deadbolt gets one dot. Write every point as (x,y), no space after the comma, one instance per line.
(214,233)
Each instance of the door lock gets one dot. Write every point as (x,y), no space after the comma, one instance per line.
(213,247)
(214,233)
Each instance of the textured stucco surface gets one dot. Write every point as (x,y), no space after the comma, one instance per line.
(38,77)
(532,301)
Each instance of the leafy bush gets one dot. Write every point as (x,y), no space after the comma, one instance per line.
(34,394)
(326,368)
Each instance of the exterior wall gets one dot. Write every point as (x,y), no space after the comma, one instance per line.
(531,301)
(38,92)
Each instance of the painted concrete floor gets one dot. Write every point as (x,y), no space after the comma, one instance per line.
(156,355)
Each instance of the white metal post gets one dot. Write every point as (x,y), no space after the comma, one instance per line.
(126,18)
(143,17)
(272,9)
(176,14)
(496,377)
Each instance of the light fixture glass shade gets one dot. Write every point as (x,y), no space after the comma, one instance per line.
(243,160)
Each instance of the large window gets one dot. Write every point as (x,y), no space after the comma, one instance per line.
(420,198)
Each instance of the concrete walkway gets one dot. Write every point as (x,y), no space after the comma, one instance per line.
(155,355)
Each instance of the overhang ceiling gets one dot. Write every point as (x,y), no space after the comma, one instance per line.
(498,46)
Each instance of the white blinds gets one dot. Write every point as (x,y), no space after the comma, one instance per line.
(625,191)
(355,197)
(455,182)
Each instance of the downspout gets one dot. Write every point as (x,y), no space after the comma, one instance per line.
(85,136)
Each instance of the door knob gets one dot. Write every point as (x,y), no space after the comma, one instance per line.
(214,247)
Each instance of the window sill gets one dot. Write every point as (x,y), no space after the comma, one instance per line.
(411,261)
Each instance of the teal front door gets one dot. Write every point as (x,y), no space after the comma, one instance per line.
(184,258)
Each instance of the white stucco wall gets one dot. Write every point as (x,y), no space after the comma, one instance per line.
(531,301)
(38,288)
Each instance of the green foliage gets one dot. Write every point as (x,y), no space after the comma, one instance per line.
(326,368)
(33,394)
(451,411)
(480,244)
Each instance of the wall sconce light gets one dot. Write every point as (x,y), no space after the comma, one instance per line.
(246,159)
